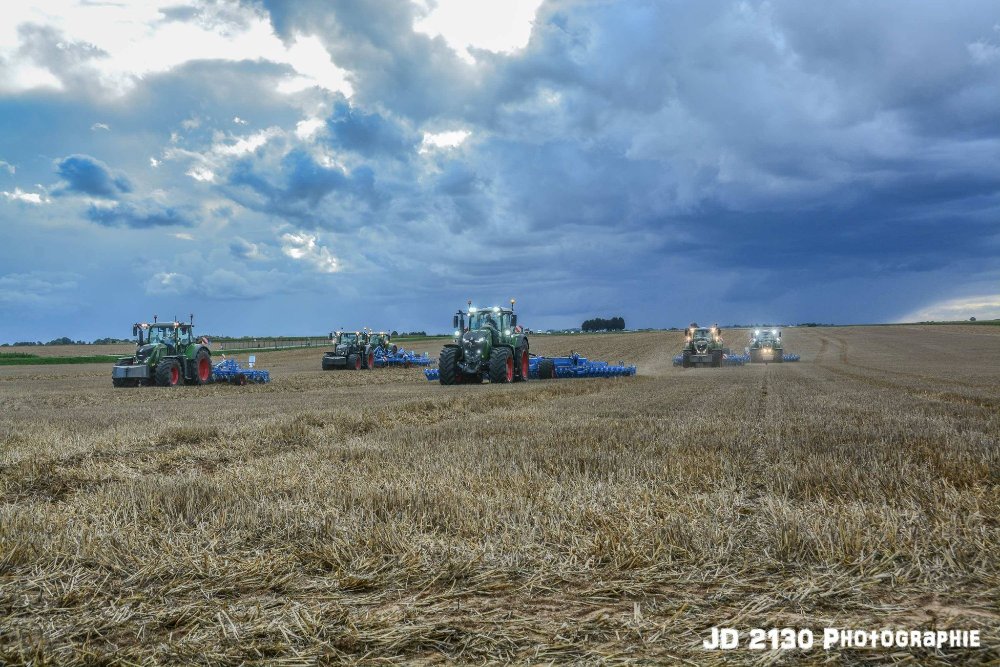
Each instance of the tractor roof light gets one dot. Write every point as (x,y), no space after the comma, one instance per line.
(496,309)
(774,332)
(472,310)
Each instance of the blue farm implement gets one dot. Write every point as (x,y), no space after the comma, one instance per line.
(734,359)
(573,366)
(401,357)
(229,370)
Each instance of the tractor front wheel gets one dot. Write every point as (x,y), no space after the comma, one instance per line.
(716,358)
(371,360)
(354,361)
(448,372)
(501,365)
(686,359)
(778,356)
(168,373)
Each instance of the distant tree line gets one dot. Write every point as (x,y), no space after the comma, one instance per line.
(65,340)
(601,324)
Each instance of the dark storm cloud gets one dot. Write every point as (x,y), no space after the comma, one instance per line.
(353,129)
(141,215)
(83,174)
(298,185)
(406,72)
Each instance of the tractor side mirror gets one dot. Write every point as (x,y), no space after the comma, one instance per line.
(513,320)
(454,322)
(135,330)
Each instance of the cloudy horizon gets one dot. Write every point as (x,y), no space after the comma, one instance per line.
(286,168)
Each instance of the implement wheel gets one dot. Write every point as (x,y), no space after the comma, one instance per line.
(546,369)
(501,365)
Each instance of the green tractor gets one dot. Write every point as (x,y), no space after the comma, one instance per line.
(351,349)
(166,354)
(490,345)
(765,347)
(383,341)
(703,346)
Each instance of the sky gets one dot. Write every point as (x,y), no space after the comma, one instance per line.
(289,168)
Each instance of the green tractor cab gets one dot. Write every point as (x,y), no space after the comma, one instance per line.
(489,344)
(383,341)
(352,350)
(166,354)
(765,347)
(703,346)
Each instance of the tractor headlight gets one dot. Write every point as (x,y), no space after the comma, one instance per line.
(506,332)
(457,332)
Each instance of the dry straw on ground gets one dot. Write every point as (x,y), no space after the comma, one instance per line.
(376,517)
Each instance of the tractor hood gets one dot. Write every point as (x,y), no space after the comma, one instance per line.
(144,352)
(700,344)
(474,342)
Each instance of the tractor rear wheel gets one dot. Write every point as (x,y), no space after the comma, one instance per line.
(716,358)
(370,364)
(546,369)
(354,361)
(686,359)
(521,365)
(202,368)
(168,373)
(501,365)
(778,356)
(448,372)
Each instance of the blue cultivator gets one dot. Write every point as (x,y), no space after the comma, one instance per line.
(734,359)
(229,370)
(401,357)
(573,366)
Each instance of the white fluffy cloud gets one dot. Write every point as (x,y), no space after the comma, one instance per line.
(305,248)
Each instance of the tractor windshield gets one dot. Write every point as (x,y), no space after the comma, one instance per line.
(348,338)
(702,333)
(160,335)
(485,318)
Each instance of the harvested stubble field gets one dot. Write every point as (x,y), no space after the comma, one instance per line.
(375,517)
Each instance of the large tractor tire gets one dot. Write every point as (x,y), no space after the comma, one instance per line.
(501,365)
(370,360)
(686,359)
(716,358)
(778,356)
(755,356)
(521,365)
(546,369)
(202,368)
(448,372)
(168,373)
(354,361)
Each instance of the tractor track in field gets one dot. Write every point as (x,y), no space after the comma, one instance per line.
(886,383)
